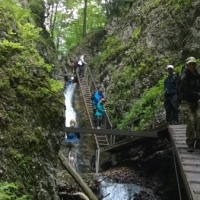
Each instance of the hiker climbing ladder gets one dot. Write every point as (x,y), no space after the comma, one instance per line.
(101,140)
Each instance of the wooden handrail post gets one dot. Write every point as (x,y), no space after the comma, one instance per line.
(132,126)
(154,121)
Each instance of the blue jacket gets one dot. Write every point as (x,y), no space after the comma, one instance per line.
(97,97)
(72,137)
(100,109)
(170,84)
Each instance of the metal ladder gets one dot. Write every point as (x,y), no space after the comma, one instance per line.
(101,140)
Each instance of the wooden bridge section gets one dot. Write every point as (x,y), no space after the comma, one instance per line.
(189,163)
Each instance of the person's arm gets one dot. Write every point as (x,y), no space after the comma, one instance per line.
(82,59)
(186,90)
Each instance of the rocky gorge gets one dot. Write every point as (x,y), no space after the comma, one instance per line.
(128,57)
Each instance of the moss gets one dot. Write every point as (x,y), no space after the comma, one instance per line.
(31,104)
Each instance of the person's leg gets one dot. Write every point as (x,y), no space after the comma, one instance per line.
(168,108)
(94,112)
(175,115)
(98,122)
(197,115)
(73,154)
(189,116)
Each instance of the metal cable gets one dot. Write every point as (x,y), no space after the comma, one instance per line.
(179,190)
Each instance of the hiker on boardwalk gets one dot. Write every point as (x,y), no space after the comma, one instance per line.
(99,113)
(81,64)
(190,105)
(96,97)
(171,98)
(71,139)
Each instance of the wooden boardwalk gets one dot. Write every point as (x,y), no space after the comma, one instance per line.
(189,163)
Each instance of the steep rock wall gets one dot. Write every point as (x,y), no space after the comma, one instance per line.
(30,108)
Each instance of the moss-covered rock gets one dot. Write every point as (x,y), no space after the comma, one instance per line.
(30,107)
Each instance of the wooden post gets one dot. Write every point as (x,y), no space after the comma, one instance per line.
(154,121)
(97,160)
(111,139)
(77,177)
(132,126)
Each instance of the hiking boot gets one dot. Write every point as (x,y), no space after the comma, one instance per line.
(190,149)
(175,123)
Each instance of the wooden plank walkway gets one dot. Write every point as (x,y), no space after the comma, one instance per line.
(189,163)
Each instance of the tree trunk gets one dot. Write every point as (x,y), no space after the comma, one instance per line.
(77,177)
(85,19)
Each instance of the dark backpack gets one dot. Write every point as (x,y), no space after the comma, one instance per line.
(75,63)
(179,93)
(70,135)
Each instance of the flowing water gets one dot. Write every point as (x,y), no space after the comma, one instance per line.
(117,191)
(108,189)
(69,112)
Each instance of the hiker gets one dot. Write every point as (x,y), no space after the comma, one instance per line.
(190,105)
(74,66)
(96,97)
(99,113)
(171,98)
(72,139)
(81,64)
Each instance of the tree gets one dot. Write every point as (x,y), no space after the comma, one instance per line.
(85,19)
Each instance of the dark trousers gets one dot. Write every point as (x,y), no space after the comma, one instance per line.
(94,117)
(81,70)
(171,107)
(99,120)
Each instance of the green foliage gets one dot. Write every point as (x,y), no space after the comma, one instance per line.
(145,106)
(177,4)
(8,191)
(112,47)
(68,28)
(136,33)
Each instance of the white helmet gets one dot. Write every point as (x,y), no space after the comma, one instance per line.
(72,78)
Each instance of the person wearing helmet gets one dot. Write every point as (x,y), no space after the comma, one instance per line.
(190,105)
(71,139)
(171,98)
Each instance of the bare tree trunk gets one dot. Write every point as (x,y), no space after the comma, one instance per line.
(53,19)
(76,177)
(85,19)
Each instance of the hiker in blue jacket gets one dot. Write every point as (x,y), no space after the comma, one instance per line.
(171,97)
(71,139)
(99,113)
(96,97)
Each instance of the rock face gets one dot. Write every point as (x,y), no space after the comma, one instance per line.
(31,109)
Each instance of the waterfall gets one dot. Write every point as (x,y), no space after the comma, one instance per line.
(69,112)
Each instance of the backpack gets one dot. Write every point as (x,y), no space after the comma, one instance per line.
(179,93)
(70,135)
(92,97)
(75,63)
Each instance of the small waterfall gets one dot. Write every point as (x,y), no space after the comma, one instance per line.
(69,112)
(117,191)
